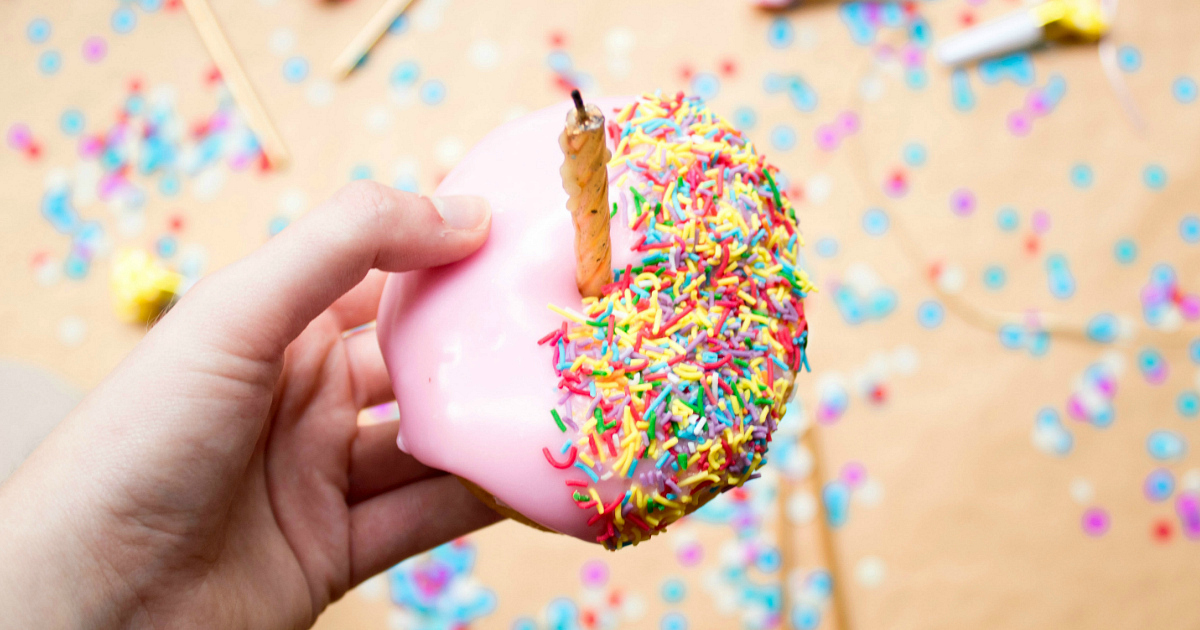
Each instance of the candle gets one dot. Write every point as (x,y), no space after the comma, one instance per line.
(585,178)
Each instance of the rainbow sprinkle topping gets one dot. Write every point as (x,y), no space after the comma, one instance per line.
(676,377)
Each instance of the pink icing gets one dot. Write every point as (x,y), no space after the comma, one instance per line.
(474,387)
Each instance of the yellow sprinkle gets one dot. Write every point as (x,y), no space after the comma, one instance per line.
(568,313)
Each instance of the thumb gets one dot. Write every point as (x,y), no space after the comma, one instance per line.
(264,301)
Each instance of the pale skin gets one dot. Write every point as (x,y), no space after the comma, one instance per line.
(218,477)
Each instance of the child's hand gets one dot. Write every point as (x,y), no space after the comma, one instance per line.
(218,478)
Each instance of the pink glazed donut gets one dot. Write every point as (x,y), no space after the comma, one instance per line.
(606,418)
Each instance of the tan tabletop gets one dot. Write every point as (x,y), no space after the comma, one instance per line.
(966,234)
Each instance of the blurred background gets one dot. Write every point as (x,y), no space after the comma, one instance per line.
(1003,401)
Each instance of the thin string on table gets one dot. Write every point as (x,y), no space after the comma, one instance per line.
(1059,326)
(1054,324)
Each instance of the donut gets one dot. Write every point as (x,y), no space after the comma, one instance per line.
(606,418)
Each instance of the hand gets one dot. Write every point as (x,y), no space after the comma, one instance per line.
(218,477)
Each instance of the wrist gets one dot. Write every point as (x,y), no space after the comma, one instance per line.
(52,577)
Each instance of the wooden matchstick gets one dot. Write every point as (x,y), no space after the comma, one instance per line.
(836,616)
(239,85)
(368,36)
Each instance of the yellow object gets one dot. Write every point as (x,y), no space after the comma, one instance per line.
(1073,19)
(142,288)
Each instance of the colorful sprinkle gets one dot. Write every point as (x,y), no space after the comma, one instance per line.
(1096,522)
(677,376)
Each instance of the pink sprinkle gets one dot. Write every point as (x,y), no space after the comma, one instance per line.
(1037,103)
(849,123)
(962,202)
(1040,221)
(896,186)
(854,473)
(827,138)
(690,554)
(1188,508)
(1189,306)
(1075,408)
(1018,123)
(913,57)
(19,136)
(94,49)
(594,574)
(90,147)
(1095,522)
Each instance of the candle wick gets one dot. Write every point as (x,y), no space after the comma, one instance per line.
(578,98)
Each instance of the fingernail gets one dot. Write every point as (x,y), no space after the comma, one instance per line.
(462,212)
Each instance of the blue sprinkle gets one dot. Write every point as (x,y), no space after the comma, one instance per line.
(166,246)
(673,621)
(994,277)
(773,83)
(827,247)
(780,33)
(277,225)
(744,118)
(1184,90)
(674,590)
(806,617)
(875,222)
(920,33)
(71,122)
(916,78)
(407,183)
(295,69)
(960,87)
(1103,328)
(1163,274)
(590,473)
(433,92)
(1081,176)
(783,137)
(1189,229)
(75,267)
(706,85)
(1166,445)
(49,62)
(1008,219)
(1160,484)
(1129,59)
(930,314)
(1188,404)
(836,496)
(1125,251)
(360,171)
(1062,283)
(1012,336)
(38,30)
(1155,177)
(800,93)
(558,61)
(399,25)
(169,185)
(562,614)
(123,20)
(1194,351)
(405,74)
(914,154)
(881,302)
